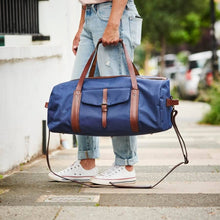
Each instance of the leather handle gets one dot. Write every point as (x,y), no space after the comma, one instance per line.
(129,63)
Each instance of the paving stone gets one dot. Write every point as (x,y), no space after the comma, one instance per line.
(28,212)
(160,200)
(139,213)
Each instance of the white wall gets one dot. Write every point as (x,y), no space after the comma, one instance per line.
(61,25)
(28,71)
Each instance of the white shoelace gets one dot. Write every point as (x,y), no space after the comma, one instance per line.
(114,169)
(69,168)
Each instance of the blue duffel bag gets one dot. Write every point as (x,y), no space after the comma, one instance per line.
(111,106)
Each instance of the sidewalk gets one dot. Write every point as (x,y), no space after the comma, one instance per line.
(191,192)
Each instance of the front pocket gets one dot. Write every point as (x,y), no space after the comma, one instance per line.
(115,96)
(104,11)
(105,108)
(135,23)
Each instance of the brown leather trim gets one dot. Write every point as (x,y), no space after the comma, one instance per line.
(106,77)
(130,68)
(172,102)
(86,68)
(93,67)
(104,108)
(134,110)
(153,78)
(75,111)
(46,105)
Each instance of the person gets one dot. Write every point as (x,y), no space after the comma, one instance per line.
(111,21)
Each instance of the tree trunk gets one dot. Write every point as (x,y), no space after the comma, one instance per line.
(162,57)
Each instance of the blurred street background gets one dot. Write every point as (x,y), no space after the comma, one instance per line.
(180,41)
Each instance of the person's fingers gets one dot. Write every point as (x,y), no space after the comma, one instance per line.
(75,49)
(110,42)
(75,44)
(104,42)
(116,42)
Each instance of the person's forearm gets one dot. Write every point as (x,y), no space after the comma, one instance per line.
(117,12)
(111,33)
(82,19)
(77,36)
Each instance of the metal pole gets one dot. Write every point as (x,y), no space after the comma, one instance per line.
(214,42)
(74,141)
(44,137)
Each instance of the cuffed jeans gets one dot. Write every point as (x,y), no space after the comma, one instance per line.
(111,61)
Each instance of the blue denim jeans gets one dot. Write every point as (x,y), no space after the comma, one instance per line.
(111,61)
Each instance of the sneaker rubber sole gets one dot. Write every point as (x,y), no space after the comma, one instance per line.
(59,179)
(109,181)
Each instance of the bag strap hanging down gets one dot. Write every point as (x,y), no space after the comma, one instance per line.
(181,143)
(183,149)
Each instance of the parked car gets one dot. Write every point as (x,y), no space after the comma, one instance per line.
(206,77)
(188,81)
(171,65)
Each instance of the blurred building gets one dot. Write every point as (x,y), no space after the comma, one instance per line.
(35,54)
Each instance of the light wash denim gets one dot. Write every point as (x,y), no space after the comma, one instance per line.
(111,61)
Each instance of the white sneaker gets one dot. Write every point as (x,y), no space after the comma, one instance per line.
(74,172)
(116,174)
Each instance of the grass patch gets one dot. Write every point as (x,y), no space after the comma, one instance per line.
(213,98)
(21,166)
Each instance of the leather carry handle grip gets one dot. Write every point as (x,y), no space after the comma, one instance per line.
(129,63)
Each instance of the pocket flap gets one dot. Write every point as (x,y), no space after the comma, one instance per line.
(114,96)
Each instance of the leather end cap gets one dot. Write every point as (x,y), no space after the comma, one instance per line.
(46,104)
(172,102)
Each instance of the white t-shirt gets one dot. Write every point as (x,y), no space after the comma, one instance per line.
(84,2)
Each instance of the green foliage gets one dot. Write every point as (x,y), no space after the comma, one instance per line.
(183,57)
(213,116)
(1,176)
(174,93)
(21,166)
(189,29)
(178,21)
(139,57)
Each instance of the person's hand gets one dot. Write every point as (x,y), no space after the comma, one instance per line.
(111,35)
(76,43)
